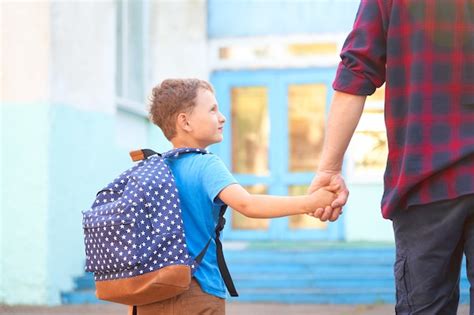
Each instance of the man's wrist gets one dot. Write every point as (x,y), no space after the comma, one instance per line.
(329,166)
(330,171)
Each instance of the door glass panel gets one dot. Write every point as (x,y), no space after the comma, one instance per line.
(250,130)
(241,222)
(303,221)
(369,148)
(306,115)
(371,143)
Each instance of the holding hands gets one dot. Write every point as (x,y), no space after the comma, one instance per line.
(330,188)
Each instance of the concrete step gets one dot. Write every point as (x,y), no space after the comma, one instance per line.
(342,274)
(80,297)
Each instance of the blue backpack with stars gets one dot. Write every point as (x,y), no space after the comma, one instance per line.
(134,238)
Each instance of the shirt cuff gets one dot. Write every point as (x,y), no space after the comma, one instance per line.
(352,82)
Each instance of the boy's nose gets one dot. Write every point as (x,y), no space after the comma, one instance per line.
(222,117)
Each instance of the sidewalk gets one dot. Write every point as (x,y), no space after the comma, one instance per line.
(232,309)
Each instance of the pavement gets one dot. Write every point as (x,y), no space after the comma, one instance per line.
(231,309)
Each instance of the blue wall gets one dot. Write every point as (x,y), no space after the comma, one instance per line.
(55,158)
(240,18)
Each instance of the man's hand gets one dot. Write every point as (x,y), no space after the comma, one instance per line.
(322,179)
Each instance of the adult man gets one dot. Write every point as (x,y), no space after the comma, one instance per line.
(424,52)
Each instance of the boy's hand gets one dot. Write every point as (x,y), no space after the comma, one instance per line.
(323,197)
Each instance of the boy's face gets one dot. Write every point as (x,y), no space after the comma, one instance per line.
(205,120)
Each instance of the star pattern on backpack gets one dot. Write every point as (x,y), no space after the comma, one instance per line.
(134,225)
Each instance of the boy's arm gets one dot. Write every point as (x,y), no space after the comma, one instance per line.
(265,206)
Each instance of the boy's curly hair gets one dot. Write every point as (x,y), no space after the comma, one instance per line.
(171,97)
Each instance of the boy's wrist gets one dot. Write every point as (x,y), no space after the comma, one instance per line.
(316,200)
(308,205)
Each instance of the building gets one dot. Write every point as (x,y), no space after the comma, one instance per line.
(75,80)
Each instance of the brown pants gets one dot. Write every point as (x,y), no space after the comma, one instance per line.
(192,302)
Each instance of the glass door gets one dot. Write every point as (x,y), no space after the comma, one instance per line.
(272,143)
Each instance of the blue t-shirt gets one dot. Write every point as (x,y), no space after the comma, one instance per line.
(200,178)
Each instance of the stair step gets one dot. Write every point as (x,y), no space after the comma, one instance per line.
(309,268)
(322,281)
(324,284)
(325,256)
(84,282)
(387,298)
(342,275)
(81,297)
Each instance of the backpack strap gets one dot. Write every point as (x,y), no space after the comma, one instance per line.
(142,154)
(199,257)
(220,255)
(225,274)
(176,152)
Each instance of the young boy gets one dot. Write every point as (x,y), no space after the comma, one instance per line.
(188,114)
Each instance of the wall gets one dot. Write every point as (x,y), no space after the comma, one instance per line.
(178,40)
(244,18)
(81,123)
(362,215)
(25,106)
(58,139)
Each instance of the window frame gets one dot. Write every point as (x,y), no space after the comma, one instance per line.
(123,102)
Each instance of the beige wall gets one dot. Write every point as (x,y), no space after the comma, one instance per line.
(83,50)
(59,52)
(26,51)
(178,40)
(57,110)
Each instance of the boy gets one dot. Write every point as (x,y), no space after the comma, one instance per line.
(188,114)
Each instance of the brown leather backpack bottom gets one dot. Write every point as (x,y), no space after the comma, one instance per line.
(148,288)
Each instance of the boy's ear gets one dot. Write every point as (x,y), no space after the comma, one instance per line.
(182,122)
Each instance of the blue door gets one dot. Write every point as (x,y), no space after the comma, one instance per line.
(272,143)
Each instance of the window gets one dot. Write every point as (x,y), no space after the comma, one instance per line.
(132,26)
(131,57)
(250,130)
(306,116)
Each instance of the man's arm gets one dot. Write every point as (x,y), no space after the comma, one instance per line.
(346,110)
(344,115)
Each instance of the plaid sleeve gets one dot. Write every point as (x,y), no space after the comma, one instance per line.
(363,56)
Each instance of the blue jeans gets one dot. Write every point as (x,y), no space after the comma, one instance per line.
(430,242)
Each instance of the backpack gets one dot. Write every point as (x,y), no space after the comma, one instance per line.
(134,238)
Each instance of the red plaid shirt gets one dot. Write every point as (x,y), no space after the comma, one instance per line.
(424,51)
